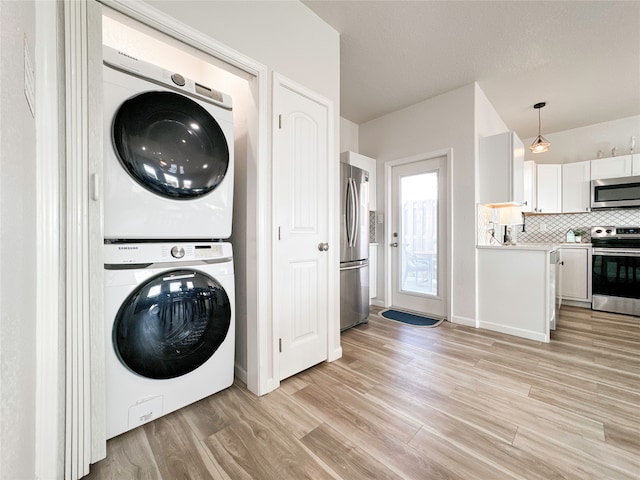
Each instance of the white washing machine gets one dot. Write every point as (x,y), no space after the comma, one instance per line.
(168,154)
(170,328)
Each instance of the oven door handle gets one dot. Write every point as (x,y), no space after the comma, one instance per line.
(616,252)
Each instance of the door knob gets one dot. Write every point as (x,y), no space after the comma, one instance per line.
(323,247)
(394,244)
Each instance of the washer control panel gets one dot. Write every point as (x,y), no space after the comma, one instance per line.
(149,253)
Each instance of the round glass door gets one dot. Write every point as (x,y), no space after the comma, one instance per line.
(170,145)
(171,324)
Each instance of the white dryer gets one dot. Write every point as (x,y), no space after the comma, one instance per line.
(170,328)
(168,154)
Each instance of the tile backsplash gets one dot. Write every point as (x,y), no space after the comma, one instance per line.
(372,227)
(553,228)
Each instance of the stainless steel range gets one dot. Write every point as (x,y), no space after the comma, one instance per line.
(616,269)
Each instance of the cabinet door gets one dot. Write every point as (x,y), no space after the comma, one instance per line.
(501,172)
(635,164)
(576,187)
(529,186)
(575,273)
(612,167)
(548,188)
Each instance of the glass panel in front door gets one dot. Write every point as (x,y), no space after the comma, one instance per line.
(419,233)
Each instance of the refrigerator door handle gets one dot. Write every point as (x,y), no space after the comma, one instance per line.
(348,213)
(351,211)
(356,211)
(354,267)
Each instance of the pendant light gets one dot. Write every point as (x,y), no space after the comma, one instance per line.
(540,144)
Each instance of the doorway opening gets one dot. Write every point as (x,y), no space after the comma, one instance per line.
(418,236)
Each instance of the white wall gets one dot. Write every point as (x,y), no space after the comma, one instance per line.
(349,136)
(583,143)
(17,247)
(284,35)
(446,121)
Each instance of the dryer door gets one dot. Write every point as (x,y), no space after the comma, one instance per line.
(170,145)
(171,324)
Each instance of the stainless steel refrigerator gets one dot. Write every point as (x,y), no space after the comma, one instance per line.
(354,246)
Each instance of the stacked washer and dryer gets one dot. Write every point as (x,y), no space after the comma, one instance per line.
(169,278)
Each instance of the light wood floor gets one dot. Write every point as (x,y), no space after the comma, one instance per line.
(418,403)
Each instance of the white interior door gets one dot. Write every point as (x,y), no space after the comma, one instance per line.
(301,209)
(418,236)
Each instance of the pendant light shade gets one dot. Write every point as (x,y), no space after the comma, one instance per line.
(540,144)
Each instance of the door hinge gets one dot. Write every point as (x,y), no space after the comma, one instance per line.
(280,345)
(280,121)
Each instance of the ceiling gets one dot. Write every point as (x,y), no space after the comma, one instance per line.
(581,57)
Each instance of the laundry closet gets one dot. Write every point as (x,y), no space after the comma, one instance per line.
(175,131)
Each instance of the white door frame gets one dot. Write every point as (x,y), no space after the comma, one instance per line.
(388,166)
(81,22)
(260,373)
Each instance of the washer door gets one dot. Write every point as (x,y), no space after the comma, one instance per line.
(170,145)
(171,324)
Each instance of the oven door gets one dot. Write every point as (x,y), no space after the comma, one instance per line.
(616,280)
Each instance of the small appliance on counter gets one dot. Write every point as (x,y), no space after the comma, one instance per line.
(616,269)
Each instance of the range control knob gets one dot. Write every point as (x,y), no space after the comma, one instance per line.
(178,79)
(177,252)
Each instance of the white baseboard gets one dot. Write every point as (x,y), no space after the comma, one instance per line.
(240,373)
(469,322)
(518,332)
(377,303)
(335,355)
(575,303)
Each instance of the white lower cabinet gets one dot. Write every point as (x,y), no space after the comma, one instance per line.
(575,272)
(516,291)
(373,270)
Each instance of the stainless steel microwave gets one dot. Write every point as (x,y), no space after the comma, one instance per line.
(615,192)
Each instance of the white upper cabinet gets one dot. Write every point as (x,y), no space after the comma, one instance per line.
(529,186)
(576,187)
(501,169)
(365,163)
(548,188)
(612,167)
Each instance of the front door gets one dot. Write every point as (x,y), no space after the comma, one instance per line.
(301,210)
(418,242)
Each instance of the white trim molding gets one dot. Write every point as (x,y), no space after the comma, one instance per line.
(388,166)
(49,447)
